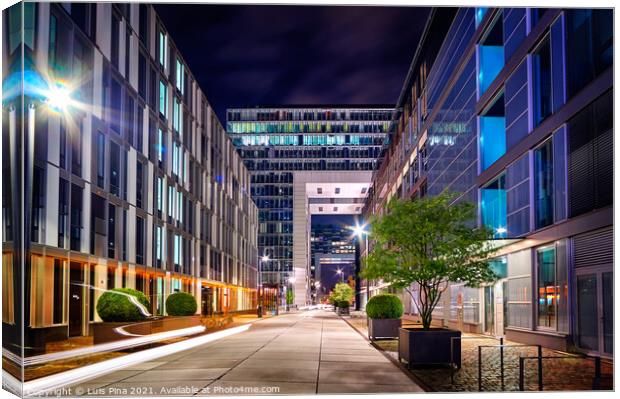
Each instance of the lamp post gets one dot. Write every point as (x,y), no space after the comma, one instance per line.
(261,289)
(358,232)
(339,272)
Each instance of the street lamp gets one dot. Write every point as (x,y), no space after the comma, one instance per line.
(358,233)
(339,271)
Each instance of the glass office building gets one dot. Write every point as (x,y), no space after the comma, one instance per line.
(129,178)
(512,108)
(279,143)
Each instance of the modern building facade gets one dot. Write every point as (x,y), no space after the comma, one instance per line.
(305,160)
(121,170)
(512,108)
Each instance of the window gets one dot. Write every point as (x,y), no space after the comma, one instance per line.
(59,276)
(76,218)
(517,290)
(63,211)
(139,184)
(129,120)
(547,287)
(490,53)
(543,185)
(492,133)
(139,240)
(541,90)
(337,190)
(142,75)
(116,25)
(160,194)
(111,231)
(100,159)
(163,48)
(115,167)
(163,99)
(493,206)
(180,76)
(76,149)
(589,46)
(160,147)
(38,203)
(158,246)
(143,23)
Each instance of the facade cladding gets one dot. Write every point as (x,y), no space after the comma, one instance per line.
(520,123)
(277,143)
(135,184)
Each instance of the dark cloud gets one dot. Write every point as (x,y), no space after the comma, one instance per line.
(257,55)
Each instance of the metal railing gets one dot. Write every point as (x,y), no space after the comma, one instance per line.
(501,347)
(452,339)
(597,368)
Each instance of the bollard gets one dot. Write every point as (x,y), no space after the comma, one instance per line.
(479,369)
(501,360)
(521,384)
(540,370)
(597,373)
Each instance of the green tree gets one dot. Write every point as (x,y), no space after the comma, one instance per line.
(290,297)
(430,242)
(343,292)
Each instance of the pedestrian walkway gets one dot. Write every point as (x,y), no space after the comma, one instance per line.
(300,353)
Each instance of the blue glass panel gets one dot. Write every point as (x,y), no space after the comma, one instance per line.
(493,210)
(480,12)
(557,63)
(492,139)
(490,62)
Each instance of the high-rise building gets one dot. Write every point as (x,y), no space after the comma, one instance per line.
(305,160)
(122,173)
(512,107)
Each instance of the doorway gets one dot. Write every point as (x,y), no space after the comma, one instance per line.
(595,311)
(76,299)
(207,301)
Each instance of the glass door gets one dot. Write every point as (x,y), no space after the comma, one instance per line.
(595,311)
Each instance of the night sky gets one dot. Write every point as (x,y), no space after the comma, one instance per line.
(271,55)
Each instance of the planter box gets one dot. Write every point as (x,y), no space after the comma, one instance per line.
(429,347)
(107,331)
(343,311)
(383,328)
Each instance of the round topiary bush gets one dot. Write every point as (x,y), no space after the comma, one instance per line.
(181,304)
(343,304)
(123,304)
(384,306)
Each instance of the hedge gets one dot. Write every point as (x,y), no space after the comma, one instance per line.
(181,304)
(117,305)
(384,306)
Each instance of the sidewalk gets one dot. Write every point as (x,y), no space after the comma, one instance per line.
(297,353)
(558,374)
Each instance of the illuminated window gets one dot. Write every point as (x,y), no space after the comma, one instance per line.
(163,97)
(541,83)
(490,52)
(493,206)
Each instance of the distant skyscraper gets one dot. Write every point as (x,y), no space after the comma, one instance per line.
(305,160)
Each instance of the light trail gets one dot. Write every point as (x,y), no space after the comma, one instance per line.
(39,386)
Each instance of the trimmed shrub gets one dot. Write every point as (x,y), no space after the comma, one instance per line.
(384,306)
(343,304)
(117,305)
(181,304)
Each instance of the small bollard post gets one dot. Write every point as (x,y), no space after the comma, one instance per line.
(521,384)
(540,369)
(501,359)
(597,373)
(480,369)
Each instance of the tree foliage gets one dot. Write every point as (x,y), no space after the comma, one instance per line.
(429,242)
(290,297)
(342,292)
